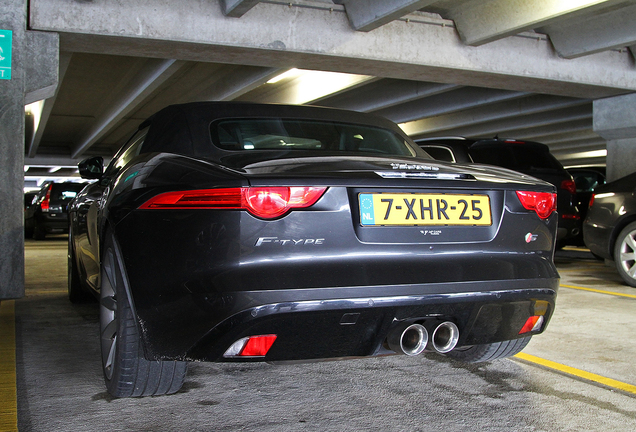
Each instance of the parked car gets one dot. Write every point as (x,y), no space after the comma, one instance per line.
(47,213)
(243,232)
(586,179)
(609,230)
(527,157)
(28,199)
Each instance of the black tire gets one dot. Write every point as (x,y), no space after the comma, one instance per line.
(625,254)
(126,372)
(597,257)
(76,294)
(39,233)
(489,352)
(28,229)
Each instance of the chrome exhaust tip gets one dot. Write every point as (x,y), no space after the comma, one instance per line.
(409,339)
(445,337)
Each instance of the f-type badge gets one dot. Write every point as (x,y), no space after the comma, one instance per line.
(403,166)
(291,241)
(531,237)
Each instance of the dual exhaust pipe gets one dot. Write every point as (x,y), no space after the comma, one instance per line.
(413,339)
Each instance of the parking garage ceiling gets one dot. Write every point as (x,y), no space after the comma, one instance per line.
(520,69)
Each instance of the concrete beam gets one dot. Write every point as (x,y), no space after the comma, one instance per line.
(509,127)
(385,94)
(42,66)
(621,154)
(153,74)
(545,132)
(237,8)
(317,35)
(367,15)
(572,137)
(451,122)
(615,118)
(610,30)
(463,99)
(591,142)
(241,80)
(214,82)
(34,144)
(51,161)
(479,22)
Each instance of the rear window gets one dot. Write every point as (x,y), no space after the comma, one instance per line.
(440,153)
(65,192)
(587,181)
(518,157)
(246,135)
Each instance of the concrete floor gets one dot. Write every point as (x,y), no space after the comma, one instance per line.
(60,386)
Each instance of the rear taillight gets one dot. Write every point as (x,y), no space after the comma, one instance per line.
(591,201)
(543,203)
(47,200)
(252,346)
(569,186)
(571,216)
(533,323)
(263,202)
(536,321)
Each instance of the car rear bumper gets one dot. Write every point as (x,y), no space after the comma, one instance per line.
(568,227)
(53,223)
(216,277)
(323,323)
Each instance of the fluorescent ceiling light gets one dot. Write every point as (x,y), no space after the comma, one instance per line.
(35,109)
(287,74)
(306,86)
(587,154)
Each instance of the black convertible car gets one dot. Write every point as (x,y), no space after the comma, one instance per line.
(244,232)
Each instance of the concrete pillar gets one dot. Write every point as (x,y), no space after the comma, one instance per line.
(615,120)
(13,18)
(33,55)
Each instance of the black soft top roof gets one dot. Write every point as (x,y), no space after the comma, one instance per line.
(185,128)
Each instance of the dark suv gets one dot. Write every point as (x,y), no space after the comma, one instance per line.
(527,157)
(48,213)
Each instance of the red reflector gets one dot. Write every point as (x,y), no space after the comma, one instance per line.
(569,186)
(591,201)
(543,203)
(532,323)
(258,346)
(47,199)
(209,198)
(263,202)
(571,216)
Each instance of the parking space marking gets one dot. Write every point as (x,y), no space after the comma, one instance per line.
(588,376)
(599,291)
(8,389)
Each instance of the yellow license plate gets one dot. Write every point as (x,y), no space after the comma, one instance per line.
(424,209)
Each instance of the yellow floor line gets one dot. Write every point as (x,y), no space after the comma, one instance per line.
(608,382)
(582,269)
(8,390)
(599,291)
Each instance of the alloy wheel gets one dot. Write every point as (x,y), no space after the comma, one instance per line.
(627,256)
(109,320)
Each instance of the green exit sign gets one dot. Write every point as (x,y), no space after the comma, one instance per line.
(5,54)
